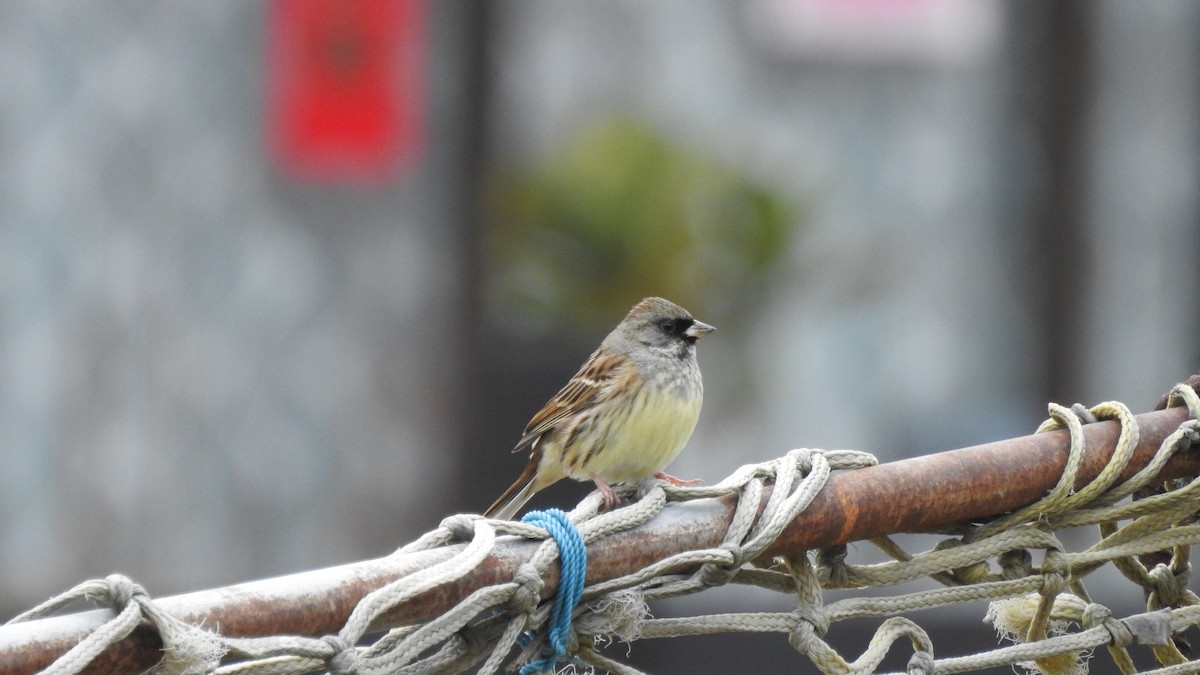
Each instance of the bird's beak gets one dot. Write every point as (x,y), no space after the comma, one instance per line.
(698,329)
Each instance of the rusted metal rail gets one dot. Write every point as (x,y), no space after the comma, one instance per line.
(912,495)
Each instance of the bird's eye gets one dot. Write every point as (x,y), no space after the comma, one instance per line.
(667,326)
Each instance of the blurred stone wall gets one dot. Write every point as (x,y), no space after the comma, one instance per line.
(208,372)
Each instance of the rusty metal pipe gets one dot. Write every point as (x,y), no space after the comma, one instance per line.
(911,495)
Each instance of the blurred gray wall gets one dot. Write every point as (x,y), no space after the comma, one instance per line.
(211,373)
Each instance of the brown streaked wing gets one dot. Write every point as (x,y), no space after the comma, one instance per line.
(579,394)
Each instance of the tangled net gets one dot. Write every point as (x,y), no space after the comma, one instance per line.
(1146,530)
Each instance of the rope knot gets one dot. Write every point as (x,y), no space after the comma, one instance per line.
(1168,587)
(344,657)
(116,592)
(814,616)
(528,594)
(719,574)
(1098,615)
(1055,573)
(921,663)
(461,526)
(811,625)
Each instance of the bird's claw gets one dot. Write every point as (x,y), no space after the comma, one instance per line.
(611,499)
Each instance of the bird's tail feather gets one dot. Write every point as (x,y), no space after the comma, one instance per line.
(515,496)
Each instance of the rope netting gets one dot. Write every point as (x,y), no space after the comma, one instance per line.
(1145,530)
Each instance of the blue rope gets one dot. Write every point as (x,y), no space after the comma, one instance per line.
(572,556)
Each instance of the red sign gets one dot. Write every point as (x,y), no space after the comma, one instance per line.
(345,87)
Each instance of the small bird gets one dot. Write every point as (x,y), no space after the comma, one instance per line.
(624,416)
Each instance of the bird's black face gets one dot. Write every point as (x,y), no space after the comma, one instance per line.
(670,335)
(676,328)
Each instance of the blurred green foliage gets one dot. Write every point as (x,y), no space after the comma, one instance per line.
(621,213)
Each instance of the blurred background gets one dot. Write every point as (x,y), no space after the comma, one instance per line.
(281,283)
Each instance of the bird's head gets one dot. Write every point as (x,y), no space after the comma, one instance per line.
(661,326)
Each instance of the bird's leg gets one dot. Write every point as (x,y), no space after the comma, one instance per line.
(677,482)
(611,500)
